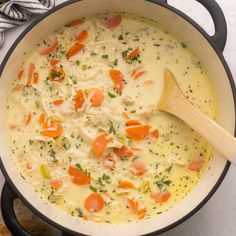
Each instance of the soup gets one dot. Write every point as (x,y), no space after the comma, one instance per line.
(83,124)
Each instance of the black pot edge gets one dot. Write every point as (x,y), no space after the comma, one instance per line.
(233,89)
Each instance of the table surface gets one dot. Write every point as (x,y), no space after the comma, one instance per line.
(218,216)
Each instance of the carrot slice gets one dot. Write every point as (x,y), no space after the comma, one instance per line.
(138,132)
(141,213)
(50,46)
(57,74)
(137,168)
(155,133)
(132,122)
(148,82)
(94,202)
(79,99)
(42,118)
(75,22)
(139,74)
(196,164)
(136,149)
(133,205)
(123,152)
(97,96)
(74,49)
(20,74)
(54,61)
(35,78)
(30,73)
(132,55)
(100,144)
(108,163)
(117,78)
(56,184)
(113,22)
(125,184)
(28,118)
(78,177)
(161,197)
(82,36)
(52,130)
(58,102)
(19,87)
(28,165)
(12,126)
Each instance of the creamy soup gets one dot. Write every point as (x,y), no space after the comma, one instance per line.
(83,123)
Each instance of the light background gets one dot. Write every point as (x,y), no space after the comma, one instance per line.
(218,216)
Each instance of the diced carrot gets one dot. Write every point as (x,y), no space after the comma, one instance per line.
(117,78)
(123,152)
(133,205)
(148,82)
(30,73)
(29,165)
(52,130)
(126,115)
(139,74)
(20,74)
(196,163)
(97,96)
(108,162)
(50,46)
(42,118)
(132,55)
(100,144)
(155,133)
(137,168)
(77,176)
(132,122)
(141,213)
(54,61)
(79,99)
(35,78)
(74,49)
(113,21)
(133,72)
(58,102)
(56,184)
(125,184)
(94,203)
(19,87)
(138,132)
(57,74)
(82,36)
(28,118)
(161,197)
(75,22)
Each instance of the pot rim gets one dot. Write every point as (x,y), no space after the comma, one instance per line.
(233,89)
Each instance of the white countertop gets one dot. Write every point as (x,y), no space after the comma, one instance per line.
(218,216)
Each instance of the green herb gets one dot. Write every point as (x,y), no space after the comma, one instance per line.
(125,53)
(111,95)
(31,141)
(92,188)
(111,128)
(52,153)
(168,169)
(120,37)
(106,178)
(100,181)
(105,56)
(66,146)
(134,111)
(163,183)
(78,166)
(80,212)
(183,45)
(115,62)
(136,38)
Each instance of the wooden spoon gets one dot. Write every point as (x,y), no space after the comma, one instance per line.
(174,102)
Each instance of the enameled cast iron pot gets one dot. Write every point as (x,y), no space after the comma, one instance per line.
(208,49)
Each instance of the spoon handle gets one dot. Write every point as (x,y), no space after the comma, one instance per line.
(222,140)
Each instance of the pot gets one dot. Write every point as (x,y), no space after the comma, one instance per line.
(209,51)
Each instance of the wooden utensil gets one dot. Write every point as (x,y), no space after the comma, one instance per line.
(174,102)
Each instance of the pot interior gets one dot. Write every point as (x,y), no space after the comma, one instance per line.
(178,26)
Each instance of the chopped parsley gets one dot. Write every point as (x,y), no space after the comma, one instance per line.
(111,128)
(80,212)
(105,56)
(111,95)
(92,188)
(163,183)
(183,45)
(120,37)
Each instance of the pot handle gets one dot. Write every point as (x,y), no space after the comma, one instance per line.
(218,18)
(8,214)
